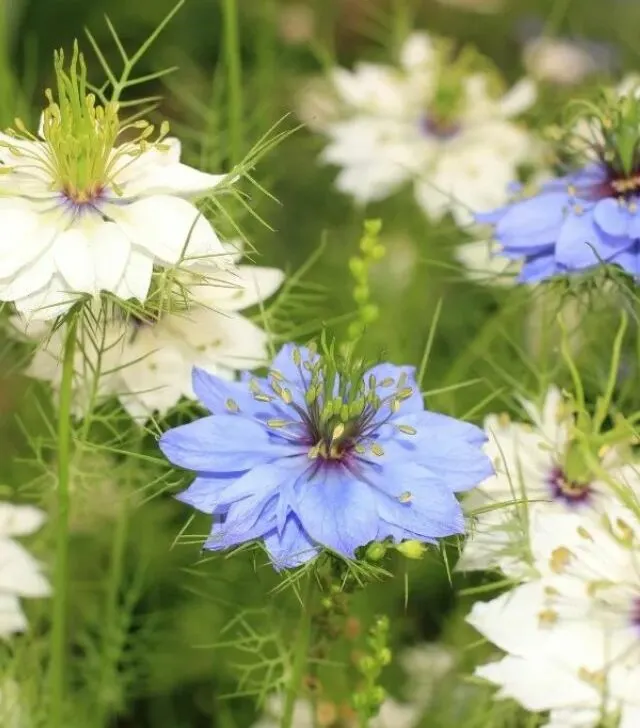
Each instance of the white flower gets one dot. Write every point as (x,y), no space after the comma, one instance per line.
(483,263)
(572,636)
(425,666)
(430,123)
(558,60)
(20,573)
(392,714)
(531,464)
(147,364)
(81,213)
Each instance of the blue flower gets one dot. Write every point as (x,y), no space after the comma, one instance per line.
(318,455)
(573,224)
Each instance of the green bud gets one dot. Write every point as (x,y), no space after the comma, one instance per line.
(361,293)
(370,313)
(376,551)
(378,252)
(372,227)
(412,549)
(357,267)
(385,656)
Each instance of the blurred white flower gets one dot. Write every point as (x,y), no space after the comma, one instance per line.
(536,470)
(432,123)
(425,666)
(147,364)
(81,212)
(392,715)
(483,263)
(20,573)
(558,60)
(572,636)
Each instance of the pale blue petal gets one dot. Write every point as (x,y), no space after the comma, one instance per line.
(533,222)
(392,373)
(579,244)
(204,493)
(291,547)
(612,217)
(539,268)
(629,260)
(217,394)
(245,521)
(222,444)
(337,511)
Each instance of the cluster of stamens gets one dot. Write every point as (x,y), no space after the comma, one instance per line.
(341,411)
(572,491)
(79,153)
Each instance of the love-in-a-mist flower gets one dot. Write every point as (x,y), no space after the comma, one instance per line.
(20,573)
(588,217)
(436,121)
(92,204)
(146,360)
(324,453)
(538,467)
(572,636)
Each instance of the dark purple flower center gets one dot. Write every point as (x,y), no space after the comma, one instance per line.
(623,187)
(569,491)
(443,129)
(635,613)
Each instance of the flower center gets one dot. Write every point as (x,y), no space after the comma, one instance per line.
(635,613)
(79,152)
(565,489)
(441,128)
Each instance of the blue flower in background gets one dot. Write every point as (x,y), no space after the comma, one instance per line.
(323,453)
(573,224)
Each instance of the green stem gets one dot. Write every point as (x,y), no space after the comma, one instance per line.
(234,78)
(59,627)
(301,653)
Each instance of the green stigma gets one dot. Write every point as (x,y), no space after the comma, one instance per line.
(80,153)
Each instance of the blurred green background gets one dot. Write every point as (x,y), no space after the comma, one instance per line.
(142,641)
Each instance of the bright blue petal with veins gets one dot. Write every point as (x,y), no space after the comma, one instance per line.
(383,372)
(215,393)
(338,511)
(222,444)
(244,521)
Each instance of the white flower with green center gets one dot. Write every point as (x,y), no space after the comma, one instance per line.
(146,361)
(537,468)
(438,121)
(572,636)
(82,211)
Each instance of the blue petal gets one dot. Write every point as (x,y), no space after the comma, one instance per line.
(579,244)
(337,511)
(285,364)
(446,427)
(222,444)
(215,393)
(539,268)
(612,217)
(492,217)
(432,511)
(245,521)
(274,478)
(532,223)
(204,493)
(292,547)
(391,372)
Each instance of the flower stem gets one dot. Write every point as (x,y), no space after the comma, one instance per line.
(234,78)
(301,653)
(59,627)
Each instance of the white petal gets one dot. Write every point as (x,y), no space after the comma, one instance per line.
(73,255)
(28,280)
(12,618)
(48,302)
(519,98)
(238,289)
(22,238)
(169,228)
(20,572)
(111,251)
(538,684)
(161,173)
(418,50)
(20,520)
(225,339)
(136,279)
